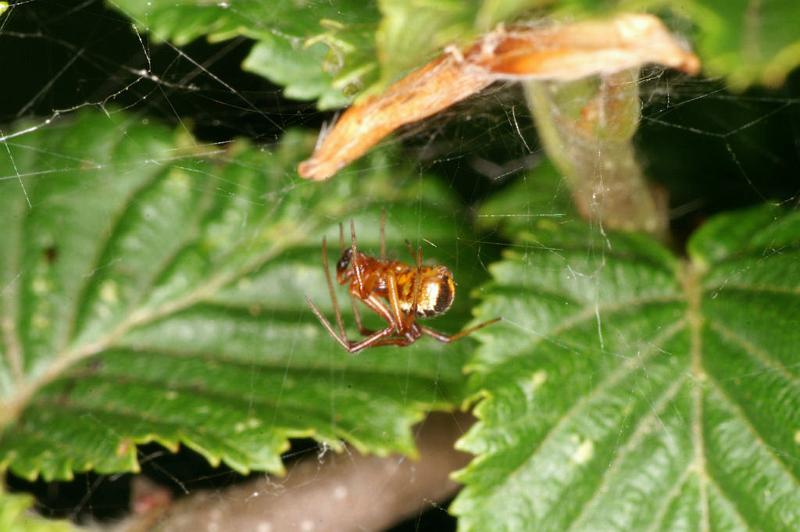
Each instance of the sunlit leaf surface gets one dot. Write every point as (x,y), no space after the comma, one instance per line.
(630,390)
(154,289)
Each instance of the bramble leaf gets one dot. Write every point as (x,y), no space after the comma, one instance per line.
(627,389)
(153,289)
(323,52)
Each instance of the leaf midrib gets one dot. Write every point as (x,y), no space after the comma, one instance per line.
(691,278)
(80,306)
(613,378)
(138,317)
(141,316)
(694,293)
(642,429)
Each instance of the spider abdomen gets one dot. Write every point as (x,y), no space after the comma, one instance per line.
(395,291)
(435,289)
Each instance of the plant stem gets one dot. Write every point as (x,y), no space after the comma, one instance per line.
(587,127)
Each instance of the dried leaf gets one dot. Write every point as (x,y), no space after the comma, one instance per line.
(560,52)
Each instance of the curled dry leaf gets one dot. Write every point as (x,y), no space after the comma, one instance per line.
(559,52)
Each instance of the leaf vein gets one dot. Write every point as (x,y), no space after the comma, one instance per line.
(745,419)
(739,515)
(101,250)
(756,353)
(670,496)
(753,289)
(622,371)
(642,429)
(591,313)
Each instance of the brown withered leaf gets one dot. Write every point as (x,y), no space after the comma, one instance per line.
(548,52)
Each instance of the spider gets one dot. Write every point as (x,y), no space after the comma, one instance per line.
(397,292)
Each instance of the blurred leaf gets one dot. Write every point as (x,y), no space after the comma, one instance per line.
(540,193)
(747,41)
(629,390)
(16,516)
(154,290)
(412,30)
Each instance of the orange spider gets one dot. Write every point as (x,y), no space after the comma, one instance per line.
(395,291)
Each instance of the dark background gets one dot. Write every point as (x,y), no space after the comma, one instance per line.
(712,150)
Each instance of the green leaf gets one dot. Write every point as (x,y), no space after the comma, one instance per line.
(747,41)
(411,31)
(327,51)
(323,52)
(16,516)
(627,389)
(540,195)
(154,290)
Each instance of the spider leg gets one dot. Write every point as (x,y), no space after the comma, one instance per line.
(379,307)
(354,259)
(357,315)
(328,327)
(361,329)
(447,338)
(401,319)
(383,233)
(417,282)
(372,340)
(410,249)
(400,341)
(384,337)
(331,290)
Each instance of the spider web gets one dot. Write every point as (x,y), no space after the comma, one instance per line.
(713,150)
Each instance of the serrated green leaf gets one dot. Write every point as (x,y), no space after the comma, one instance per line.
(16,516)
(154,290)
(629,390)
(319,51)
